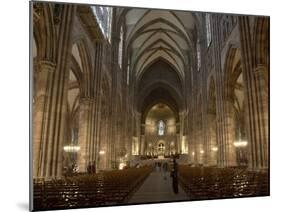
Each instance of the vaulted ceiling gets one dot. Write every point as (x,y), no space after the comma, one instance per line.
(153,34)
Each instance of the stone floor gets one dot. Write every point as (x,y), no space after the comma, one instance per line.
(156,189)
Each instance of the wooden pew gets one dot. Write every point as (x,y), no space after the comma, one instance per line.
(211,182)
(107,188)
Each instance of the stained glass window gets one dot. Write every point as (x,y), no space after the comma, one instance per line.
(208,29)
(161,127)
(104,18)
(120,51)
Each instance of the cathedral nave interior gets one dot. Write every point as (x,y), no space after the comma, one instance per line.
(118,92)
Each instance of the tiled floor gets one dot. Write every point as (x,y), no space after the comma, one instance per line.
(155,189)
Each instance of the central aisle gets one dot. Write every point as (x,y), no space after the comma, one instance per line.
(156,189)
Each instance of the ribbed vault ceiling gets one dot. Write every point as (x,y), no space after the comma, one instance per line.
(154,34)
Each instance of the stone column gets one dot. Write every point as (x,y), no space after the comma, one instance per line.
(212,140)
(85,135)
(200,152)
(258,147)
(180,144)
(104,144)
(256,99)
(262,115)
(96,115)
(220,141)
(40,114)
(138,130)
(191,148)
(219,79)
(228,146)
(114,113)
(196,146)
(142,145)
(108,144)
(96,155)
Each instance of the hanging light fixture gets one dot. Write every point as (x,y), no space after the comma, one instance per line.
(240,143)
(215,149)
(71,148)
(102,152)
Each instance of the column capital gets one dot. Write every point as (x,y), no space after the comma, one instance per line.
(260,69)
(45,65)
(86,100)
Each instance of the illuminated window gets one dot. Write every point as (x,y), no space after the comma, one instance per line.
(120,50)
(161,127)
(104,18)
(208,29)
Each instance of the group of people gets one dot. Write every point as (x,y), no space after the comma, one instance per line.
(91,168)
(164,168)
(70,170)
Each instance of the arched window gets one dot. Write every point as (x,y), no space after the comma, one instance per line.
(104,19)
(208,29)
(120,50)
(161,127)
(198,54)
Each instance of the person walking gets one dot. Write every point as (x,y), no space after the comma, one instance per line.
(164,170)
(156,167)
(175,176)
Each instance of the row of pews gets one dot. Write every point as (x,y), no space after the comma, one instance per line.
(212,183)
(107,188)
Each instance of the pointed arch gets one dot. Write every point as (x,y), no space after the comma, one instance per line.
(231,70)
(44,31)
(83,61)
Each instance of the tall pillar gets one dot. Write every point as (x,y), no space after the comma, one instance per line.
(262,106)
(256,99)
(219,79)
(211,150)
(114,92)
(220,153)
(142,145)
(40,114)
(180,144)
(228,147)
(104,147)
(98,141)
(108,144)
(85,135)
(199,152)
(96,106)
(138,130)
